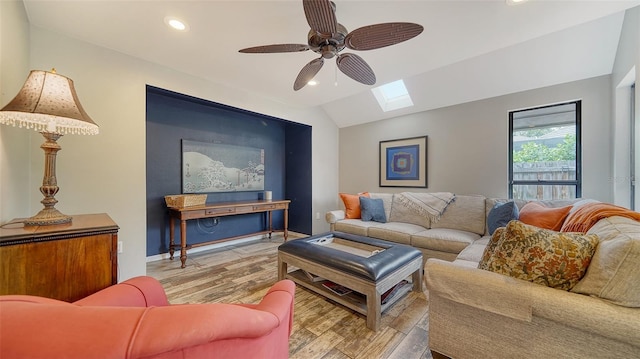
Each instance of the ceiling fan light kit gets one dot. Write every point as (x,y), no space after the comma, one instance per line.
(328,38)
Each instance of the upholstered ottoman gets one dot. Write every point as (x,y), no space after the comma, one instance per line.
(370,267)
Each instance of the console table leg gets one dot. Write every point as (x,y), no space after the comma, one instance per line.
(270,223)
(183,243)
(172,233)
(286,223)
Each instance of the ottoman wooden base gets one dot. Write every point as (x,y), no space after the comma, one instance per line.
(372,290)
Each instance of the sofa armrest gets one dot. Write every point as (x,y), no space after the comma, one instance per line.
(281,292)
(333,216)
(173,327)
(479,288)
(522,300)
(143,291)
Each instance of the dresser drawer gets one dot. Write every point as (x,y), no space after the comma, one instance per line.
(269,207)
(214,211)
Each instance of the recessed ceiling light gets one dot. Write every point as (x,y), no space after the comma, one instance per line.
(515,2)
(176,24)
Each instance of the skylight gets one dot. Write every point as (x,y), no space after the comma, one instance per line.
(392,96)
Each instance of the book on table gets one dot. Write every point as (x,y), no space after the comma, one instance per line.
(384,298)
(312,277)
(336,288)
(388,295)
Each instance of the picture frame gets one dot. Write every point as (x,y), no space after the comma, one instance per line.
(403,162)
(217,167)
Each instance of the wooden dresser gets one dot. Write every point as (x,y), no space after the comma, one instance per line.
(65,262)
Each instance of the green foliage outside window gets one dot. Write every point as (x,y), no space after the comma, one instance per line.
(535,152)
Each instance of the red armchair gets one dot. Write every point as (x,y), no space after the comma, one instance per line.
(133,319)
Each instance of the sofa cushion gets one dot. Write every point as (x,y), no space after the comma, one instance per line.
(465,213)
(372,209)
(402,213)
(539,215)
(501,214)
(352,204)
(444,239)
(355,226)
(614,271)
(554,259)
(395,232)
(490,248)
(474,251)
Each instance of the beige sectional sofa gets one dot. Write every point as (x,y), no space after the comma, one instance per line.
(475,313)
(462,223)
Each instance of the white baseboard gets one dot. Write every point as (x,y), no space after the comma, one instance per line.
(209,247)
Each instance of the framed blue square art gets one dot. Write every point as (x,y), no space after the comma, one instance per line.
(403,162)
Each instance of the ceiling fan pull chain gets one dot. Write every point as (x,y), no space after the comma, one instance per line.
(335,83)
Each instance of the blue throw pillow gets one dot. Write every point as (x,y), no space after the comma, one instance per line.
(372,209)
(501,214)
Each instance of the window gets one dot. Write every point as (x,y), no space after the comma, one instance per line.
(544,152)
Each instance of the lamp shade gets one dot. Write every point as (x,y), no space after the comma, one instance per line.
(48,103)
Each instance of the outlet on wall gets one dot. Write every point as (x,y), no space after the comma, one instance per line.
(317,215)
(119,246)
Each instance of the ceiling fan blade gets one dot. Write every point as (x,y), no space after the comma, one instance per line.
(266,49)
(355,67)
(321,16)
(381,35)
(307,73)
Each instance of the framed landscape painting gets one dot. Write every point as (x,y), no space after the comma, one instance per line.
(403,162)
(215,167)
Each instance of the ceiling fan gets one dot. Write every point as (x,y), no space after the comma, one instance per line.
(327,37)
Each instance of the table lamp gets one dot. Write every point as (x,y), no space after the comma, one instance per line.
(48,103)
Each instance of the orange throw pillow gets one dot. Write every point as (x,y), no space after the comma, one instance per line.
(536,214)
(352,204)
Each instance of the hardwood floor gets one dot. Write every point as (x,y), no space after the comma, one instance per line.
(322,329)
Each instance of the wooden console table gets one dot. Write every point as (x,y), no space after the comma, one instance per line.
(219,210)
(64,261)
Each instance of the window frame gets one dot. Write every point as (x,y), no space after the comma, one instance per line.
(578,180)
(633,139)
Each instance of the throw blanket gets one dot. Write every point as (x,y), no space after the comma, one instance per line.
(586,216)
(431,205)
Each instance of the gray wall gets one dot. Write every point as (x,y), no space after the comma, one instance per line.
(468,143)
(626,71)
(15,192)
(106,173)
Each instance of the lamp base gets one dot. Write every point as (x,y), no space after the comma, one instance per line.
(47,217)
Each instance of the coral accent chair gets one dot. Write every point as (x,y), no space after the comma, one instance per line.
(133,319)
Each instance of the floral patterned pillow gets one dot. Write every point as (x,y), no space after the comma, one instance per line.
(497,235)
(542,256)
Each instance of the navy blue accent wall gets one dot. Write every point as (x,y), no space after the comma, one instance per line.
(172,117)
(298,151)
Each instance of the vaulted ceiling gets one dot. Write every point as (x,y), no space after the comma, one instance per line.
(469,50)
